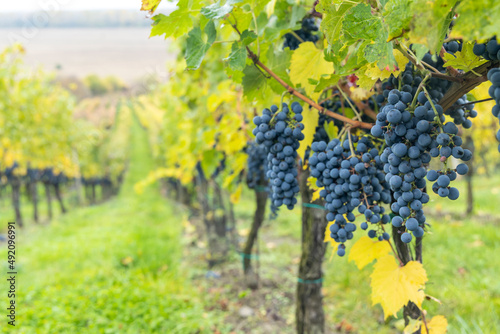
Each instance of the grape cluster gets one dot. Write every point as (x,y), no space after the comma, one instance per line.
(351,178)
(412,138)
(256,165)
(443,178)
(257,171)
(305,33)
(461,114)
(280,132)
(494,78)
(489,51)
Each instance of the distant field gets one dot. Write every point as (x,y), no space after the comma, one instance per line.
(124,52)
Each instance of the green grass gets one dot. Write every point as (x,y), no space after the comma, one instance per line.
(112,268)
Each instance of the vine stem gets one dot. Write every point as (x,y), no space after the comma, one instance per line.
(351,146)
(358,116)
(361,106)
(419,88)
(296,36)
(291,90)
(434,108)
(425,321)
(474,102)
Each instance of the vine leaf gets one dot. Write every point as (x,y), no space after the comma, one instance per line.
(217,10)
(308,62)
(311,184)
(366,250)
(397,17)
(437,325)
(177,23)
(333,16)
(331,130)
(431,22)
(150,5)
(413,326)
(464,60)
(393,286)
(248,37)
(369,74)
(310,121)
(237,58)
(473,14)
(278,62)
(255,84)
(197,47)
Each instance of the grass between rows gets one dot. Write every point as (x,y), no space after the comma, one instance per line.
(112,268)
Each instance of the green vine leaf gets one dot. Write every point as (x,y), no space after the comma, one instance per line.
(476,23)
(397,17)
(197,47)
(464,60)
(177,23)
(333,17)
(217,10)
(431,22)
(237,58)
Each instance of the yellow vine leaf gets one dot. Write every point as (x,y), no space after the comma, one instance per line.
(393,286)
(311,184)
(150,5)
(437,325)
(310,121)
(307,66)
(413,326)
(365,250)
(235,197)
(370,73)
(360,94)
(331,130)
(401,60)
(315,195)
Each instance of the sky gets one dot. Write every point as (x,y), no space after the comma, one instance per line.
(38,5)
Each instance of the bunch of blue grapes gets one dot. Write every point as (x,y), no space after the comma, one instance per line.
(305,33)
(350,173)
(443,178)
(494,78)
(413,137)
(489,50)
(280,131)
(257,172)
(256,165)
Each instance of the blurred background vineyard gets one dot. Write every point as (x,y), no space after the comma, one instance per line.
(93,120)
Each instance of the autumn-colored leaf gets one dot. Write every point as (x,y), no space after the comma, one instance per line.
(307,66)
(310,121)
(150,5)
(394,286)
(437,325)
(365,250)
